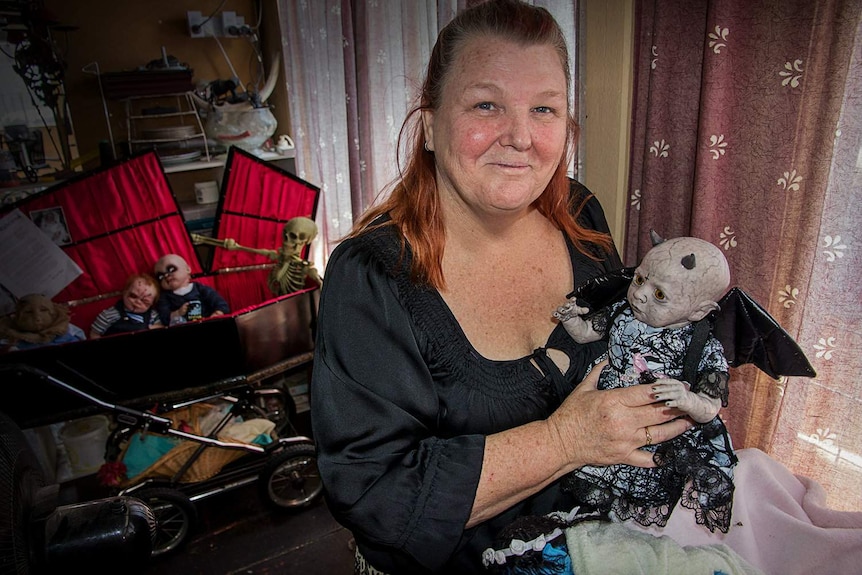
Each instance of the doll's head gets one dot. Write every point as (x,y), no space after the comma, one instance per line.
(678,281)
(37,319)
(140,293)
(36,313)
(173,272)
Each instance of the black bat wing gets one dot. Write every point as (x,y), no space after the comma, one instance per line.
(750,335)
(601,291)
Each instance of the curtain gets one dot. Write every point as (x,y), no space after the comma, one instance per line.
(747,132)
(354,69)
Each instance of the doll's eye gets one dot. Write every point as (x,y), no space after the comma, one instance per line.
(639,280)
(168,271)
(659,295)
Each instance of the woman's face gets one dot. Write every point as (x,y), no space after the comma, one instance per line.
(139,297)
(500,129)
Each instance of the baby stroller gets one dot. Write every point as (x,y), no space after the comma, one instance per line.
(193,456)
(186,389)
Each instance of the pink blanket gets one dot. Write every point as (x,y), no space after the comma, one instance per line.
(780,523)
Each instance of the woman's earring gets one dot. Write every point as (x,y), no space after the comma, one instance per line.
(426,146)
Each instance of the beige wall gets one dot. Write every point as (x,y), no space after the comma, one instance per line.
(607,76)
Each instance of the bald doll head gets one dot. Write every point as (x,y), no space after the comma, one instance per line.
(679,281)
(172,272)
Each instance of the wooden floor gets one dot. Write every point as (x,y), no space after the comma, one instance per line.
(239,535)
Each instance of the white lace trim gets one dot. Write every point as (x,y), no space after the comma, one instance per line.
(517,547)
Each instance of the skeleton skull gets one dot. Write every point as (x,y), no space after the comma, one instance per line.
(299,232)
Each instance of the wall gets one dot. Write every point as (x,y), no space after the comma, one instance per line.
(607,43)
(123,35)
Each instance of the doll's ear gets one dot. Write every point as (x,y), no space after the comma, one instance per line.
(702,310)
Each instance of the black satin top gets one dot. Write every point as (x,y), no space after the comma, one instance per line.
(401,403)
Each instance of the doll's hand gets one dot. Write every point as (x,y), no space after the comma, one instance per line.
(179,315)
(576,326)
(569,310)
(675,393)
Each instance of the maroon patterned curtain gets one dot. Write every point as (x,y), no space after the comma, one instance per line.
(747,132)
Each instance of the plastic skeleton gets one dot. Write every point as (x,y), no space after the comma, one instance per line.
(291,270)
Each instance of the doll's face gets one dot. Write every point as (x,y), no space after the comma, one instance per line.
(35,313)
(172,272)
(139,296)
(678,282)
(658,299)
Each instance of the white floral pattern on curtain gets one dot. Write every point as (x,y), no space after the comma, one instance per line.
(353,69)
(747,132)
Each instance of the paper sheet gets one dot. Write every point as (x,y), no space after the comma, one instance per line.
(30,262)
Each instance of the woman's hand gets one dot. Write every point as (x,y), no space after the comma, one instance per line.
(606,427)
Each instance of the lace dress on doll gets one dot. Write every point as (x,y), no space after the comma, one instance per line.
(695,468)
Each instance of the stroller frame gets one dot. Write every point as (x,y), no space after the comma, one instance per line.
(285,470)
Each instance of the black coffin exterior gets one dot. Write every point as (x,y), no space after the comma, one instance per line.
(142,368)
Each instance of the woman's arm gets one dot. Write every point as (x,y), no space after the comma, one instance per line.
(591,427)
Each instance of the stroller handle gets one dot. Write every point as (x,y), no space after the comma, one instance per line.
(155,422)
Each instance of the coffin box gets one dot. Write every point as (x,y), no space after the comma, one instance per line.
(121,219)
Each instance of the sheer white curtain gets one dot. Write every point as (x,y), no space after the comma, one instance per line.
(353,69)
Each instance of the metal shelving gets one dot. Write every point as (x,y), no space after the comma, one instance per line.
(184,108)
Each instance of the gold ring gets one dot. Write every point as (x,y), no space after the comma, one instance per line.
(648,436)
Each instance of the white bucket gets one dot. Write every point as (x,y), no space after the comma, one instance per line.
(84,440)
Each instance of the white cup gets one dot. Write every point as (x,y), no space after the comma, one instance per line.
(206,192)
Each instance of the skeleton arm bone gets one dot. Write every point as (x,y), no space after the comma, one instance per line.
(576,326)
(314,275)
(675,393)
(230,244)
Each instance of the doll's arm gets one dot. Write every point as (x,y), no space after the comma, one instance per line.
(674,393)
(178,315)
(579,329)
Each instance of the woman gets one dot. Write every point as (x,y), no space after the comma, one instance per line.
(442,401)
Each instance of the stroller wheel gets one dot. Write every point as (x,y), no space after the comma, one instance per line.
(176,517)
(290,479)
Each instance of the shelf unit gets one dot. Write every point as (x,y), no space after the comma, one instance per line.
(198,216)
(219,161)
(185,109)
